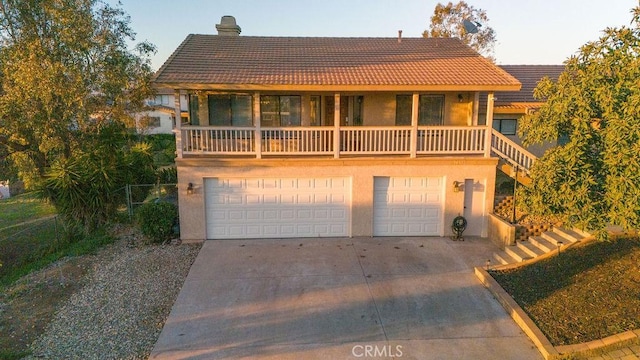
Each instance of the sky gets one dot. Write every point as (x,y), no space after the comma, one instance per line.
(528,31)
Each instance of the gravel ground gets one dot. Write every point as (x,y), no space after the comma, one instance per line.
(120,312)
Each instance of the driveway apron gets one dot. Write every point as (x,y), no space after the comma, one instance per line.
(360,298)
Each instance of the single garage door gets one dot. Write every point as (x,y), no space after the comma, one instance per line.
(408,206)
(238,208)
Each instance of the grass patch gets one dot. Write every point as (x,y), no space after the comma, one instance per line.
(21,208)
(40,246)
(30,239)
(12,355)
(588,292)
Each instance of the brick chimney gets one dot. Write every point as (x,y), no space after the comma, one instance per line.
(228,26)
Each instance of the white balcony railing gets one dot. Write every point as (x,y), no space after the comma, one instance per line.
(217,140)
(451,140)
(297,141)
(353,140)
(375,140)
(513,153)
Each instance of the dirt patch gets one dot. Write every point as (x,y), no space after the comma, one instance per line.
(29,305)
(589,292)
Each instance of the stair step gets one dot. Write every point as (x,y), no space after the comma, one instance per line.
(530,248)
(554,238)
(543,243)
(583,233)
(517,253)
(503,258)
(570,235)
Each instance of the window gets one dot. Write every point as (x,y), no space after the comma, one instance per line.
(280,110)
(230,110)
(506,126)
(403,110)
(160,100)
(194,109)
(430,110)
(150,122)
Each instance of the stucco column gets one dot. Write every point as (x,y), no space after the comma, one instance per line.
(415,103)
(203,109)
(336,126)
(487,144)
(476,108)
(178,129)
(257,123)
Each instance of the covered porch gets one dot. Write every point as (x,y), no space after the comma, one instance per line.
(382,132)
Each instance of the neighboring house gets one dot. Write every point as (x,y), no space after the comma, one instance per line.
(313,137)
(510,106)
(161,118)
(5,191)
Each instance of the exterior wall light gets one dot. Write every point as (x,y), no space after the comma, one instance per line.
(457,186)
(460,98)
(190,189)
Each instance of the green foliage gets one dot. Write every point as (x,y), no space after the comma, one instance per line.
(168,175)
(594,179)
(88,188)
(33,247)
(447,21)
(156,220)
(23,207)
(65,68)
(163,147)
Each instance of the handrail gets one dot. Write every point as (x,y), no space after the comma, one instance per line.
(512,152)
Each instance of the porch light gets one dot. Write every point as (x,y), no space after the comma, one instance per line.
(460,97)
(457,186)
(190,189)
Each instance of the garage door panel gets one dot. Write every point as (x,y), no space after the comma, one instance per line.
(284,207)
(407,206)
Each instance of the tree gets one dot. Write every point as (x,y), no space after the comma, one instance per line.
(88,188)
(448,21)
(65,68)
(594,179)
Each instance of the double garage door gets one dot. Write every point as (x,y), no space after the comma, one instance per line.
(241,208)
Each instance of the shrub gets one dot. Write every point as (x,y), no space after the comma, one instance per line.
(87,188)
(156,220)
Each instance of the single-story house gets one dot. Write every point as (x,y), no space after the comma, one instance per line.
(333,137)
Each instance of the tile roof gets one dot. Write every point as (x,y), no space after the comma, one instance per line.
(529,76)
(208,61)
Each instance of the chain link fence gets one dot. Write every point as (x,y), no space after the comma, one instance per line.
(154,193)
(29,241)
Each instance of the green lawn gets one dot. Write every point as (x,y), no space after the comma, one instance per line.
(31,238)
(589,292)
(23,208)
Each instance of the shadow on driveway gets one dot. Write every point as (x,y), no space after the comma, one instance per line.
(339,299)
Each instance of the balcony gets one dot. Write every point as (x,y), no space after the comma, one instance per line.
(333,141)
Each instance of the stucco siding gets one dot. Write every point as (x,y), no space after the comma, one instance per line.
(361,172)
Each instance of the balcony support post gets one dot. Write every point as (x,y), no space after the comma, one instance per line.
(336,126)
(413,140)
(257,145)
(178,128)
(489,124)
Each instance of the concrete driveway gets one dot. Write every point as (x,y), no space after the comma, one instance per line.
(361,298)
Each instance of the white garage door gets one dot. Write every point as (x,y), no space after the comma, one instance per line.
(239,208)
(407,206)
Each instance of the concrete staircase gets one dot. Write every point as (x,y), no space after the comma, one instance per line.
(536,246)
